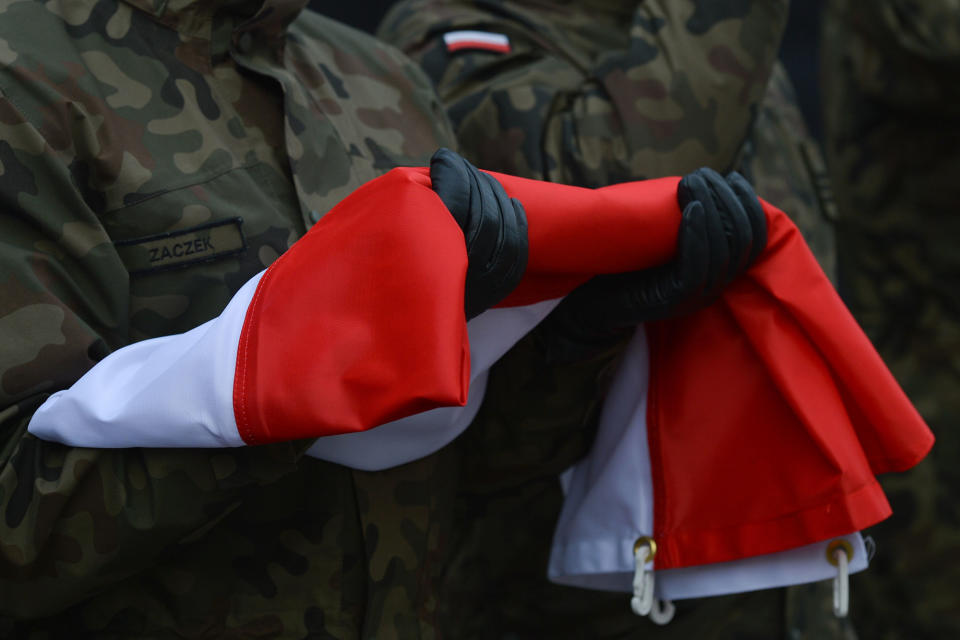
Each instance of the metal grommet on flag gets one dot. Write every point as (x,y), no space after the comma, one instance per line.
(839,554)
(644,550)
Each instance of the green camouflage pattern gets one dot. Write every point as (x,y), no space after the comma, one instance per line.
(122,120)
(892,124)
(786,167)
(592,94)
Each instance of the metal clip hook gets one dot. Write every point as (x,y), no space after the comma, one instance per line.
(662,611)
(644,550)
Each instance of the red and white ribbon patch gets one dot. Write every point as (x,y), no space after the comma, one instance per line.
(483,40)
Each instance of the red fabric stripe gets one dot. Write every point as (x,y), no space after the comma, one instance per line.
(478,44)
(837,515)
(576,233)
(355,326)
(786,388)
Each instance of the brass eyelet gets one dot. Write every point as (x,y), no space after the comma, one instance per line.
(648,542)
(839,544)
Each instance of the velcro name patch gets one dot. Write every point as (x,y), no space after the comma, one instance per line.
(183,247)
(482,40)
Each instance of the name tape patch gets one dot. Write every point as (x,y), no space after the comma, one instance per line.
(202,243)
(484,40)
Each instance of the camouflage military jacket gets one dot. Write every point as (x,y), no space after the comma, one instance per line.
(593,93)
(891,106)
(154,155)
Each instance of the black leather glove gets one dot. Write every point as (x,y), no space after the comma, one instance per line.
(494,227)
(722,232)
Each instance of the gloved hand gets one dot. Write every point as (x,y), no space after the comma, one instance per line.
(494,227)
(722,231)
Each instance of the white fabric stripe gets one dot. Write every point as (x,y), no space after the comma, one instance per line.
(794,566)
(484,37)
(177,391)
(491,335)
(607,564)
(609,504)
(174,391)
(610,490)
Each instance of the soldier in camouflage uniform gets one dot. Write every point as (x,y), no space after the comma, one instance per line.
(892,116)
(127,120)
(594,93)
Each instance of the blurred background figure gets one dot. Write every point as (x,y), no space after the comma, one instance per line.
(886,115)
(595,93)
(891,102)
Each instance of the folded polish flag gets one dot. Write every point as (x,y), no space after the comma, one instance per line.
(609,505)
(769,413)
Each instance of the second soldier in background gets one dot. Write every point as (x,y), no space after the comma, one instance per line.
(591,94)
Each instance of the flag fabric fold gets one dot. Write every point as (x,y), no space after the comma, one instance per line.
(769,413)
(609,504)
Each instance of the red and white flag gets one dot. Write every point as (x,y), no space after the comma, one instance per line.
(767,415)
(476,40)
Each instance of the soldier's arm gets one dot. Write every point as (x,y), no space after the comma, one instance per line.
(71,519)
(899,58)
(674,90)
(929,30)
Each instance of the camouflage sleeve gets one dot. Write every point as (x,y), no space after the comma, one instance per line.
(897,54)
(71,519)
(928,29)
(589,96)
